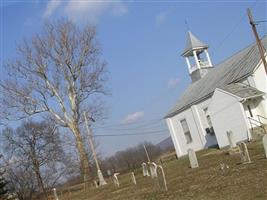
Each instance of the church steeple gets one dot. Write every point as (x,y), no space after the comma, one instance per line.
(194,49)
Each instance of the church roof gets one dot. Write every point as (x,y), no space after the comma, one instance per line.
(232,70)
(192,43)
(241,90)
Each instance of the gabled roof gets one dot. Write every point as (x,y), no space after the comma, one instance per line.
(233,69)
(241,90)
(193,43)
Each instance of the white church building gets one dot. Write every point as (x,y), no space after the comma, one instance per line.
(229,96)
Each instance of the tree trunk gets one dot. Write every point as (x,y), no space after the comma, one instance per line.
(84,161)
(40,183)
(39,178)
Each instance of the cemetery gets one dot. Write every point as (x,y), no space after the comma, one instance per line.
(207,174)
(96,105)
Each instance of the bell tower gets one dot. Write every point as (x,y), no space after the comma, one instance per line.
(197,57)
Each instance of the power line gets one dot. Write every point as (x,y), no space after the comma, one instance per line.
(144,126)
(132,134)
(154,132)
(243,17)
(129,124)
(261,21)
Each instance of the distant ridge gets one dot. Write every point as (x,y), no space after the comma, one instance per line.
(166,144)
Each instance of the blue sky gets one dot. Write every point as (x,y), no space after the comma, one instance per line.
(142,42)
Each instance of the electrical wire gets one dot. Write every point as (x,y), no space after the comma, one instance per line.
(129,124)
(132,134)
(144,126)
(233,29)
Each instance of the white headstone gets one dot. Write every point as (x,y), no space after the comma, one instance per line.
(230,137)
(96,184)
(161,178)
(55,194)
(244,153)
(133,178)
(115,179)
(109,172)
(153,170)
(101,178)
(224,166)
(145,170)
(264,141)
(192,158)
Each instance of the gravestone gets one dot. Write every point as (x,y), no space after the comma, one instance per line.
(55,194)
(244,153)
(224,166)
(69,192)
(109,172)
(153,170)
(231,140)
(161,178)
(133,178)
(96,184)
(145,170)
(264,141)
(192,158)
(115,179)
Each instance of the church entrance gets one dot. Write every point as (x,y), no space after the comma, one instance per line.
(210,134)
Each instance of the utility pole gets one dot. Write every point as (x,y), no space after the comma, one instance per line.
(99,173)
(147,154)
(258,41)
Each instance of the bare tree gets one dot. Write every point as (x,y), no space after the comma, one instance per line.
(131,158)
(59,74)
(37,147)
(20,180)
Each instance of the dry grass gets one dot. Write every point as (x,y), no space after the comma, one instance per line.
(208,182)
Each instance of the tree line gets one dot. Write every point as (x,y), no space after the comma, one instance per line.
(131,158)
(35,159)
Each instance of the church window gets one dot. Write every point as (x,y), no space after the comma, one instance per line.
(186,131)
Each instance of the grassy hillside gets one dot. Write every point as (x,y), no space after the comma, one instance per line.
(208,182)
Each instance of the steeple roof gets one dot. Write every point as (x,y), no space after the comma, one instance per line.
(232,70)
(193,43)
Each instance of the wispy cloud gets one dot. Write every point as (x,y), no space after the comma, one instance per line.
(161,18)
(89,11)
(173,82)
(133,117)
(51,6)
